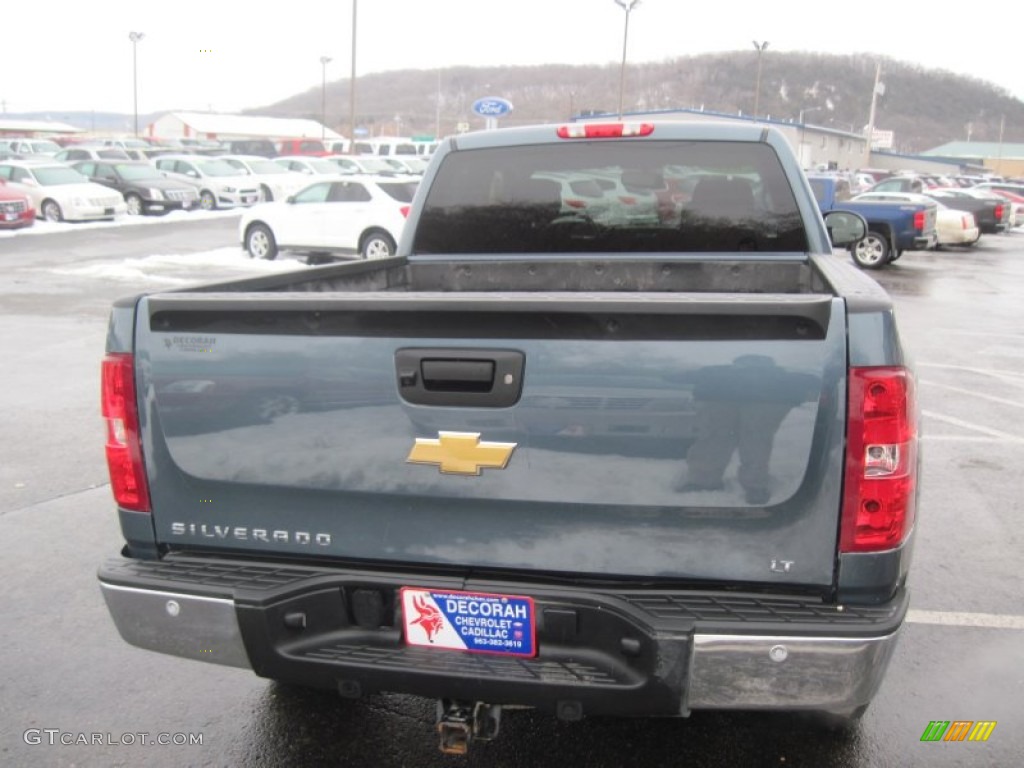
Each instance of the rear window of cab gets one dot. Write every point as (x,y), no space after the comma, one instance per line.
(611,196)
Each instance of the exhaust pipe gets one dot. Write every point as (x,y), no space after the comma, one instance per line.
(459,723)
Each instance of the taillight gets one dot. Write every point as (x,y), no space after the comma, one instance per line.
(999,211)
(881,460)
(574,203)
(604,130)
(627,200)
(124,451)
(919,221)
(404,210)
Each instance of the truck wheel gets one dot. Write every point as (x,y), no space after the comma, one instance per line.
(260,243)
(377,245)
(872,252)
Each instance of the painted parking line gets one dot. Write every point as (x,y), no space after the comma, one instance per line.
(959,619)
(974,394)
(1009,377)
(988,431)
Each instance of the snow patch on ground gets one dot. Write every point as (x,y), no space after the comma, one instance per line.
(180,268)
(51,227)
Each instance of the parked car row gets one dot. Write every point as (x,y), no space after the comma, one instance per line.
(141,148)
(335,213)
(962,214)
(173,181)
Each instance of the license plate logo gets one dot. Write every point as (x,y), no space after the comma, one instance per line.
(469,621)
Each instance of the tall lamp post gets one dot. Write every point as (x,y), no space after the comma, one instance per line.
(627,6)
(352,85)
(759,47)
(135,37)
(324,61)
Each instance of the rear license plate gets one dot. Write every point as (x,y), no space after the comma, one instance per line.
(108,211)
(469,621)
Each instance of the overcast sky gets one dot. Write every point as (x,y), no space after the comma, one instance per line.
(234,54)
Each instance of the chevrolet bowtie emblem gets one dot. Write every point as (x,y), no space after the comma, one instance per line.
(460,453)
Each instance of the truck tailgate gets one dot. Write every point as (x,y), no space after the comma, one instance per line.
(696,437)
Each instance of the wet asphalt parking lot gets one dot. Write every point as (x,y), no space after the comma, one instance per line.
(65,674)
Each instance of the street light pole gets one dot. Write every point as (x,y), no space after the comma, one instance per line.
(324,61)
(627,6)
(352,86)
(759,47)
(135,37)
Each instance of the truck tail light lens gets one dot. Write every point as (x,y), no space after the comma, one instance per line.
(124,451)
(604,130)
(999,211)
(404,210)
(919,221)
(879,493)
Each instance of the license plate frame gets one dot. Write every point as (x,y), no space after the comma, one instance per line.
(474,622)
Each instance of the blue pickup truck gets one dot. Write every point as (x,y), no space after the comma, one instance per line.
(893,227)
(620,465)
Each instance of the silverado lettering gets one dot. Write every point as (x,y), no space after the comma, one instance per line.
(255,534)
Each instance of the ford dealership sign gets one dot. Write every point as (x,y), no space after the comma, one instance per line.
(492,106)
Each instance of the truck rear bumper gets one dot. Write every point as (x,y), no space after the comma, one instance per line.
(623,652)
(926,242)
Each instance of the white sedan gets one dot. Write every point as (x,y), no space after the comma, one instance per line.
(362,215)
(953,227)
(372,164)
(310,166)
(60,193)
(276,182)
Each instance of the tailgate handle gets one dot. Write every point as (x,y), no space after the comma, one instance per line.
(479,378)
(458,375)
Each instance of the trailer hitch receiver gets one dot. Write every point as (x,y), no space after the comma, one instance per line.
(459,723)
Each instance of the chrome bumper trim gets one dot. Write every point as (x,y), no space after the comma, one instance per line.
(832,674)
(202,628)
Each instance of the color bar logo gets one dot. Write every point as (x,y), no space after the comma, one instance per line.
(958,730)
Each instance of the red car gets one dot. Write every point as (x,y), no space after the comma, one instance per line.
(15,208)
(310,147)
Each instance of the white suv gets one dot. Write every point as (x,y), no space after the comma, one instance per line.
(219,184)
(361,215)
